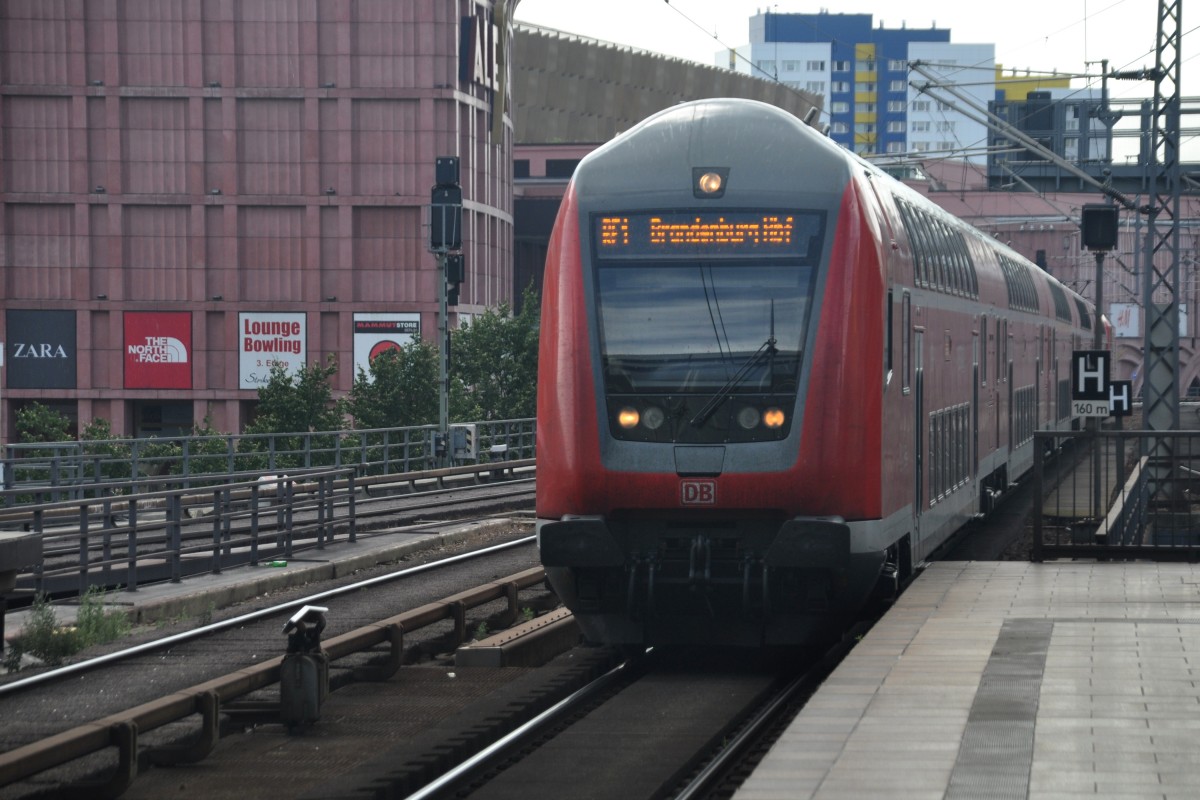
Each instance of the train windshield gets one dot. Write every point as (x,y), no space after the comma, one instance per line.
(676,327)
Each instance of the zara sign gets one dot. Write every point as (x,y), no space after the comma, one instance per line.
(41,348)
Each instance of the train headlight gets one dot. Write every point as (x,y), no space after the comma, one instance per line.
(749,418)
(773,418)
(653,418)
(708,183)
(628,417)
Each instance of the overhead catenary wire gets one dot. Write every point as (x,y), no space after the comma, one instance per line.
(989,119)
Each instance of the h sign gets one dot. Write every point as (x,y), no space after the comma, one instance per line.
(1089,375)
(1120,399)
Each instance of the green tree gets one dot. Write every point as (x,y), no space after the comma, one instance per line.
(493,366)
(295,404)
(38,423)
(298,403)
(113,456)
(400,390)
(208,449)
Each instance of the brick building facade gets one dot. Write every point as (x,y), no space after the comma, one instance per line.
(193,190)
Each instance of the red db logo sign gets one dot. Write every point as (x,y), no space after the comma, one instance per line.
(695,492)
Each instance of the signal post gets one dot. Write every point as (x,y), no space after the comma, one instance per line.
(445,240)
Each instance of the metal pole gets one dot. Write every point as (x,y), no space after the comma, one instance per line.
(1094,422)
(443,362)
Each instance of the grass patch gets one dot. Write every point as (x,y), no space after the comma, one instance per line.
(52,643)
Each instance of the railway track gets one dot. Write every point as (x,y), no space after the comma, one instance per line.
(690,728)
(679,724)
(673,720)
(155,689)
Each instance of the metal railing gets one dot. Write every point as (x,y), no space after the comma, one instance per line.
(1149,505)
(130,533)
(48,472)
(129,536)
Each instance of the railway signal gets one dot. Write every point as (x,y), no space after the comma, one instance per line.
(445,235)
(445,207)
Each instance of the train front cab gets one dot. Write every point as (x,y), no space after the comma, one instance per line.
(742,408)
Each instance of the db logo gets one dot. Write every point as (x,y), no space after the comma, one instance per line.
(694,492)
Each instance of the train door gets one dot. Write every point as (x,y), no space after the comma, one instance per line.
(1044,379)
(918,340)
(997,359)
(1037,379)
(1011,411)
(1056,399)
(1001,372)
(981,334)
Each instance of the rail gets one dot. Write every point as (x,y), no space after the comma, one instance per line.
(122,730)
(1148,487)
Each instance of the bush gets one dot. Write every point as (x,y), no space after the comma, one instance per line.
(52,643)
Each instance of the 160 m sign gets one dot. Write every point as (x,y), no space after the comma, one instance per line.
(1089,408)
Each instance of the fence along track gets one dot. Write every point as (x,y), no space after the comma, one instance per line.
(130,536)
(68,470)
(1123,504)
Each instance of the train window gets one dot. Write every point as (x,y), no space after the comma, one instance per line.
(953,282)
(1085,319)
(964,267)
(686,327)
(937,252)
(914,243)
(927,252)
(1022,295)
(887,352)
(1001,351)
(983,348)
(941,259)
(964,256)
(1061,309)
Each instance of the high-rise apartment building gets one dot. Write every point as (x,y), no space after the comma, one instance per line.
(874,102)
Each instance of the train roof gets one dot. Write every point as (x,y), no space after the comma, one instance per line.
(767,146)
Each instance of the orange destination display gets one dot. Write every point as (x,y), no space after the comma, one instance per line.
(725,233)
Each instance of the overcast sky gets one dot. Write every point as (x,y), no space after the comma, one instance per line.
(1041,35)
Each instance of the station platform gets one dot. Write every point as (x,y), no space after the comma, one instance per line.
(1009,680)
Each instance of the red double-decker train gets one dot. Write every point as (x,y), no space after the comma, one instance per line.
(773,379)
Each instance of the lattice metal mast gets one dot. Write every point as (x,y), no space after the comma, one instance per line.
(1160,388)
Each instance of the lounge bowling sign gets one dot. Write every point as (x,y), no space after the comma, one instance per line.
(267,341)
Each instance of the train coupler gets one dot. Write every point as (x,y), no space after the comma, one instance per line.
(700,560)
(631,589)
